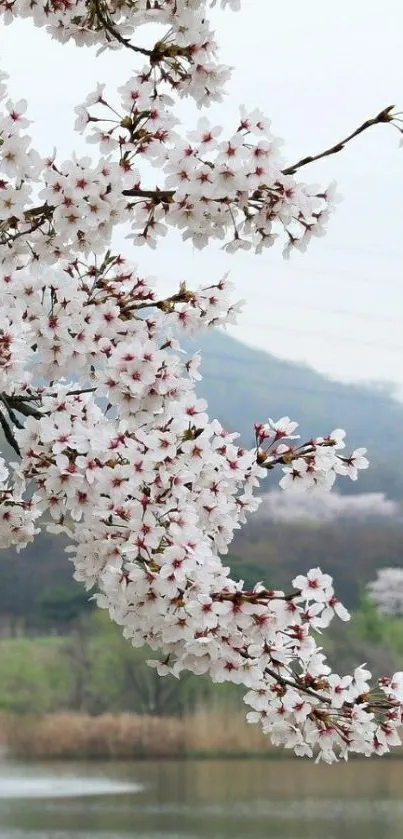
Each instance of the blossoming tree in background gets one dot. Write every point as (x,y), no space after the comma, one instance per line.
(326,507)
(386,591)
(113,447)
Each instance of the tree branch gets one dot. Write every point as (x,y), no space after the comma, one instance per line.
(297,684)
(156,195)
(13,237)
(16,400)
(108,26)
(6,402)
(9,434)
(383,116)
(161,196)
(158,53)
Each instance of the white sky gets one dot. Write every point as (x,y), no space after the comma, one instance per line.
(317,70)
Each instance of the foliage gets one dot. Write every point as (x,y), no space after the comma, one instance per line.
(94,670)
(34,676)
(61,607)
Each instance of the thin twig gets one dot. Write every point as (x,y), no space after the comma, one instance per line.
(158,196)
(15,236)
(295,683)
(383,116)
(115,34)
(18,398)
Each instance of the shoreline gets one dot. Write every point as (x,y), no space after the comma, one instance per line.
(206,734)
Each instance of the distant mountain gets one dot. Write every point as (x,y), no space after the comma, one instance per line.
(243,386)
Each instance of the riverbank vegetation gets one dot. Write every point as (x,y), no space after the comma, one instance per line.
(71,686)
(93,670)
(208,732)
(89,694)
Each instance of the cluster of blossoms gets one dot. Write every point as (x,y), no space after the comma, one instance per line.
(114,447)
(234,189)
(150,490)
(185,56)
(314,464)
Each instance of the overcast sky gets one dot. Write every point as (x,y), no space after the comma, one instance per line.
(317,70)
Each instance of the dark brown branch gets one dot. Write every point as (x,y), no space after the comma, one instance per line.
(159,196)
(45,209)
(21,398)
(6,402)
(383,116)
(108,26)
(158,53)
(22,408)
(7,431)
(296,684)
(13,237)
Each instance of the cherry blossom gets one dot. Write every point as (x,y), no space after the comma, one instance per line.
(113,446)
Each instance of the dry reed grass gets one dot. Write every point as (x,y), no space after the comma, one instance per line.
(71,735)
(224,731)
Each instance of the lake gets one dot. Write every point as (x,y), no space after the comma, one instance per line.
(284,799)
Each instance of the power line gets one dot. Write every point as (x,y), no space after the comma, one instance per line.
(301,306)
(332,336)
(320,272)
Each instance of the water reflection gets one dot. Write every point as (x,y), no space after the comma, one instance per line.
(197,799)
(62,787)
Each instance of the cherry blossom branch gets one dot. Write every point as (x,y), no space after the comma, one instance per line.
(383,116)
(108,26)
(16,399)
(160,50)
(10,238)
(167,304)
(263,200)
(297,684)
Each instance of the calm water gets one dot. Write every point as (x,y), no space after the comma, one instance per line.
(202,800)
